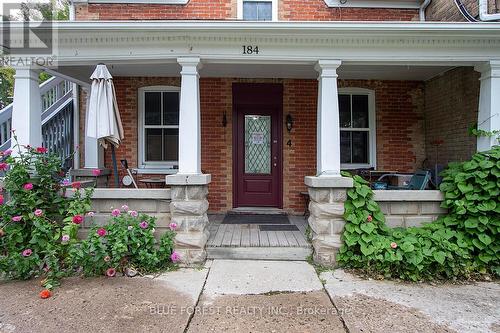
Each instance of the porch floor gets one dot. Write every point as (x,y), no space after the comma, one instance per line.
(247,241)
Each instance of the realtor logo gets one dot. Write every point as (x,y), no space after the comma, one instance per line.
(27,32)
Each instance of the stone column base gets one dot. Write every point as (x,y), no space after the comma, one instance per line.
(326,220)
(188,210)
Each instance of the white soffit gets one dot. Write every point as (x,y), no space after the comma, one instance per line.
(403,4)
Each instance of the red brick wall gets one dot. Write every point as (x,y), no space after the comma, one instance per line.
(451,103)
(400,130)
(317,10)
(399,107)
(193,10)
(289,10)
(446,10)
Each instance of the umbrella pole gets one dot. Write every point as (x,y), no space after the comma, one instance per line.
(115,167)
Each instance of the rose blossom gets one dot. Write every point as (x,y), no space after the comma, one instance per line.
(3,166)
(394,245)
(143,225)
(41,150)
(172,226)
(27,252)
(65,238)
(66,182)
(175,257)
(8,152)
(369,218)
(130,227)
(77,219)
(17,218)
(115,212)
(133,213)
(96,172)
(76,185)
(125,208)
(28,186)
(45,294)
(110,272)
(107,258)
(38,212)
(1,199)
(90,214)
(101,232)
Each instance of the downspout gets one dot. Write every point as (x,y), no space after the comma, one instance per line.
(483,12)
(422,9)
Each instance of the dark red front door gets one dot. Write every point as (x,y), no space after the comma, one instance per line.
(257,114)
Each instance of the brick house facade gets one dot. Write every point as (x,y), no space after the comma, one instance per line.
(409,113)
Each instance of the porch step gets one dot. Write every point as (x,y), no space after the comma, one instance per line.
(259,253)
(257,211)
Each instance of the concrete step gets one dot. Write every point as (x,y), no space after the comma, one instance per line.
(259,253)
(257,211)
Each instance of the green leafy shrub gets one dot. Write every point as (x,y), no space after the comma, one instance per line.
(126,242)
(462,243)
(37,215)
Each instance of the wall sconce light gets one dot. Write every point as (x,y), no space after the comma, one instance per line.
(224,120)
(289,122)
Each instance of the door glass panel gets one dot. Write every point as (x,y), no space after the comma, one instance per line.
(257,144)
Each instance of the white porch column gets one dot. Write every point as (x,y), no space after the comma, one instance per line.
(94,155)
(27,109)
(189,117)
(328,122)
(488,118)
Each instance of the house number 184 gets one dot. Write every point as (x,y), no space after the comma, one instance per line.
(249,49)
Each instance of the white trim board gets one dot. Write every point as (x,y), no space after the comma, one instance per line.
(401,4)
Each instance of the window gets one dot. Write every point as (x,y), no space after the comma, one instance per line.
(258,10)
(158,127)
(357,128)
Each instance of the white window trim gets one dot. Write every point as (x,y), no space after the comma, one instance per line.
(372,123)
(274,5)
(141,158)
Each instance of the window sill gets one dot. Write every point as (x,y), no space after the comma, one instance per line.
(155,171)
(402,4)
(355,166)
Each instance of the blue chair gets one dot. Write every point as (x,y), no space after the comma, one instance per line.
(418,181)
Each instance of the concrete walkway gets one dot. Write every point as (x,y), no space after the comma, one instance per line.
(249,296)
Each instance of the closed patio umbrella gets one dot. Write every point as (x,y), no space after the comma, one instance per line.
(103,118)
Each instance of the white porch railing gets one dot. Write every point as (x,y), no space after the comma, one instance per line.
(57,119)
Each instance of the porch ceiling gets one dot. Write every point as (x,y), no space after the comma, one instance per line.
(236,70)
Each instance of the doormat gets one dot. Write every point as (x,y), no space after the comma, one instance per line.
(255,219)
(278,227)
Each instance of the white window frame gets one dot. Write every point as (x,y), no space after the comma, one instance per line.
(141,130)
(274,8)
(372,128)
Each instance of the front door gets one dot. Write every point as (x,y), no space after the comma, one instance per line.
(257,114)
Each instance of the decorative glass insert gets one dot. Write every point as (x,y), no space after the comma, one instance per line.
(257,11)
(257,144)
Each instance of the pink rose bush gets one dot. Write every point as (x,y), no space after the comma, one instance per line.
(36,218)
(127,237)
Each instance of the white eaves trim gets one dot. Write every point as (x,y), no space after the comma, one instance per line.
(401,28)
(156,2)
(406,4)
